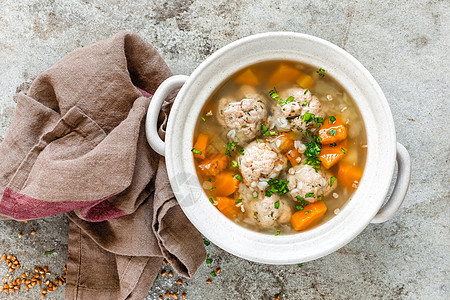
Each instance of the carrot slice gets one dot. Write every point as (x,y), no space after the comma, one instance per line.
(332,132)
(227,206)
(200,145)
(247,77)
(309,216)
(284,142)
(329,156)
(292,155)
(214,165)
(226,184)
(349,176)
(305,81)
(284,73)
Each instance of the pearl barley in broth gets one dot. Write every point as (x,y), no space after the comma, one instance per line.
(280,147)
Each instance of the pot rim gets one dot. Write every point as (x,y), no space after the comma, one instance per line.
(303,246)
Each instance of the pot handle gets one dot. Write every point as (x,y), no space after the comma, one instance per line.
(151,121)
(400,188)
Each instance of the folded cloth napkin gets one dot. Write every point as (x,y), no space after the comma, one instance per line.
(77,145)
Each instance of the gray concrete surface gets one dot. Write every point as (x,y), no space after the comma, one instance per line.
(404,44)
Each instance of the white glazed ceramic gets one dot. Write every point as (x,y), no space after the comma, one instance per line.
(363,208)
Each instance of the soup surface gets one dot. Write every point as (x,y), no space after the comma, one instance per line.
(279,147)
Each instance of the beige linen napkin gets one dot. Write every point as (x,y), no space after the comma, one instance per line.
(77,145)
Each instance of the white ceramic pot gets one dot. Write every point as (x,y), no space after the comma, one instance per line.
(362,209)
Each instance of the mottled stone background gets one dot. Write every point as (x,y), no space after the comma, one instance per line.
(404,44)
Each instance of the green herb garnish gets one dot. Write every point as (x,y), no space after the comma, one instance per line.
(311,153)
(307,117)
(272,133)
(274,94)
(203,119)
(300,265)
(299,207)
(321,72)
(307,212)
(265,130)
(318,120)
(209,261)
(213,274)
(278,186)
(309,195)
(343,151)
(319,197)
(211,200)
(333,145)
(49,252)
(238,177)
(304,103)
(156,278)
(332,180)
(277,204)
(207,243)
(230,147)
(196,151)
(332,120)
(238,201)
(213,188)
(277,233)
(332,132)
(235,164)
(305,92)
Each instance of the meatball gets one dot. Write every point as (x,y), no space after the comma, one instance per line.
(294,111)
(243,119)
(264,212)
(260,163)
(304,180)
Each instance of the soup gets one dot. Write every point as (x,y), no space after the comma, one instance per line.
(279,147)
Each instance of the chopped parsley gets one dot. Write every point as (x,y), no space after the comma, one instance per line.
(311,153)
(277,233)
(265,130)
(213,188)
(332,132)
(332,120)
(343,151)
(321,72)
(156,278)
(304,103)
(309,195)
(306,91)
(49,252)
(238,201)
(318,120)
(210,180)
(307,117)
(203,119)
(238,177)
(211,200)
(277,204)
(333,145)
(230,147)
(209,261)
(274,94)
(332,180)
(302,201)
(235,164)
(278,186)
(319,197)
(272,133)
(213,274)
(241,151)
(195,151)
(206,242)
(307,212)
(300,265)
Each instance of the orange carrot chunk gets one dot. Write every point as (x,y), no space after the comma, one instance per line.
(284,142)
(284,73)
(349,176)
(247,77)
(227,206)
(333,130)
(309,216)
(199,149)
(305,81)
(226,183)
(214,165)
(292,155)
(329,156)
